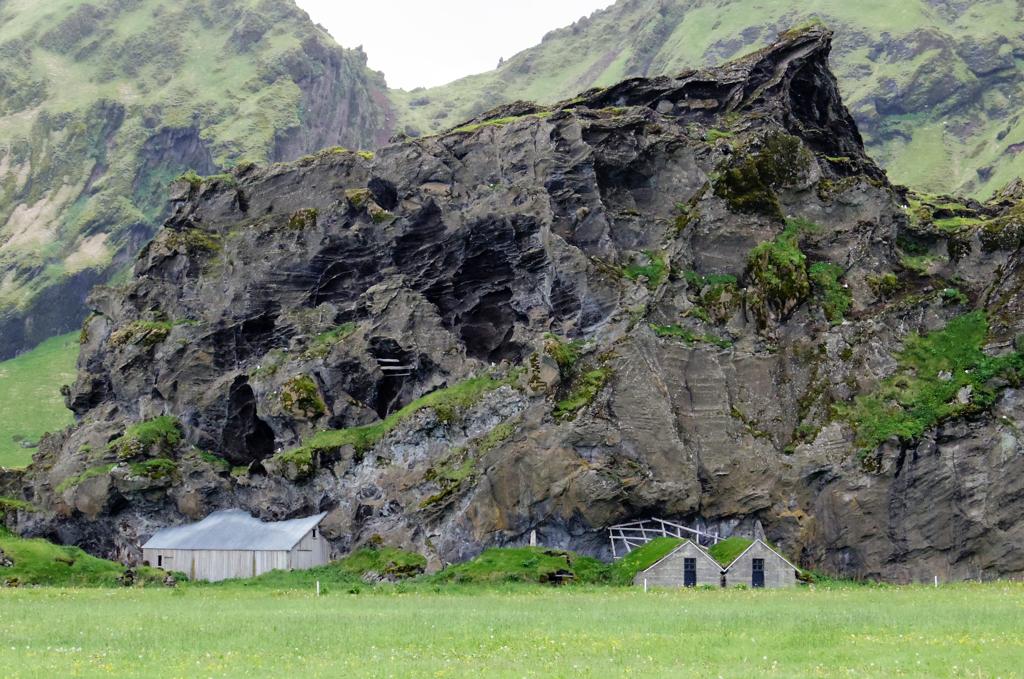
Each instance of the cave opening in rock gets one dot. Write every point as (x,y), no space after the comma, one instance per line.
(396,365)
(246,438)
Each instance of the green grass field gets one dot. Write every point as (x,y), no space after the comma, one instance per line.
(30,400)
(515,631)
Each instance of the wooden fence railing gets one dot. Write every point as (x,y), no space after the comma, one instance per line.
(625,537)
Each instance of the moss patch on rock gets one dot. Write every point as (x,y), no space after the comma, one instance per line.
(143,333)
(582,393)
(653,272)
(941,375)
(301,397)
(778,269)
(690,336)
(831,294)
(749,182)
(460,396)
(157,437)
(303,219)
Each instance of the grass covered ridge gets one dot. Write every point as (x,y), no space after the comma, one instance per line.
(726,551)
(38,562)
(525,564)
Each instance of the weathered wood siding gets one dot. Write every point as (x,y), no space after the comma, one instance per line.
(777,573)
(312,550)
(669,571)
(216,565)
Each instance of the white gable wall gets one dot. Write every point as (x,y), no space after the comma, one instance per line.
(777,573)
(669,571)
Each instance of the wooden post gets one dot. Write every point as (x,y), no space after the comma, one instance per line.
(936,581)
(533,538)
(645,585)
(318,588)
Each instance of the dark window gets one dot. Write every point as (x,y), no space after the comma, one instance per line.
(160,561)
(314,533)
(757,573)
(689,572)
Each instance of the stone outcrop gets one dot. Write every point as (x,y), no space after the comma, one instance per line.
(83,179)
(689,297)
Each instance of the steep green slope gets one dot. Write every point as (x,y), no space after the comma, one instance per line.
(30,399)
(931,84)
(102,103)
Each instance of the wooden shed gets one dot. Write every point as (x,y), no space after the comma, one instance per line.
(760,566)
(688,565)
(232,544)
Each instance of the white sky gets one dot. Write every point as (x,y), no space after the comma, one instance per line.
(422,43)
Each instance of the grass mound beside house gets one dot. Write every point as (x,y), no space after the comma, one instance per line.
(41,563)
(372,563)
(525,564)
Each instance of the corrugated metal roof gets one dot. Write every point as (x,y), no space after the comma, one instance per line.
(234,529)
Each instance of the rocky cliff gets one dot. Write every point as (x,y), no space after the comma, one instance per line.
(692,297)
(930,82)
(103,103)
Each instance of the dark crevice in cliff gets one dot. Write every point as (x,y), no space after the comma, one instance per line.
(245,438)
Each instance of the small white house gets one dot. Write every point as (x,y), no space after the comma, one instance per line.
(232,544)
(760,566)
(688,565)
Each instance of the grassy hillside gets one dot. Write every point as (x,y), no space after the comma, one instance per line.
(30,399)
(102,103)
(932,84)
(954,631)
(41,563)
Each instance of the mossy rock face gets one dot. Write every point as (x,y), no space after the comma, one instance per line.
(358,198)
(301,397)
(582,393)
(160,469)
(778,271)
(748,184)
(745,190)
(193,242)
(941,375)
(146,334)
(652,272)
(303,219)
(717,296)
(830,292)
(885,286)
(158,437)
(1005,232)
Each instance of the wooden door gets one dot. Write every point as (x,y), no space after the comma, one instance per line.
(689,572)
(757,573)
